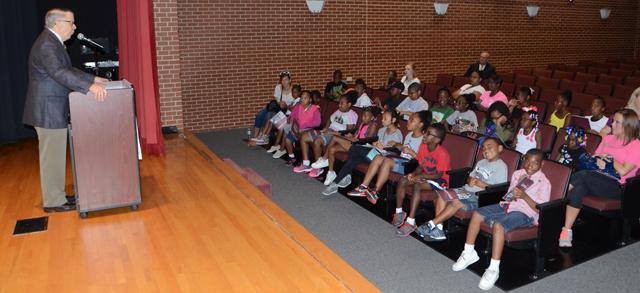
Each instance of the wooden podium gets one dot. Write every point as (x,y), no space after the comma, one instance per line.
(104,149)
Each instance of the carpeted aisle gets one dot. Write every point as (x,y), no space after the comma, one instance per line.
(394,264)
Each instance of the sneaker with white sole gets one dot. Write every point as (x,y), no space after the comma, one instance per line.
(330,190)
(273,149)
(465,260)
(424,230)
(358,191)
(435,234)
(372,195)
(566,237)
(279,153)
(489,278)
(320,163)
(331,175)
(262,141)
(302,168)
(398,219)
(316,172)
(405,229)
(346,181)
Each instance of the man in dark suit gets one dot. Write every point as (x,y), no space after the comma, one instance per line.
(483,66)
(51,79)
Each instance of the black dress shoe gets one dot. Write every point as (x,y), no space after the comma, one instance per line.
(63,208)
(71,199)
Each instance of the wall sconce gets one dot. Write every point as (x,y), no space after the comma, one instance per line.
(604,13)
(441,8)
(532,10)
(315,6)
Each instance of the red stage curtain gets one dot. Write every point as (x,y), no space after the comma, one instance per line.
(137,47)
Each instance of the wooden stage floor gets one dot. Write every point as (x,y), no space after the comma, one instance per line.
(200,228)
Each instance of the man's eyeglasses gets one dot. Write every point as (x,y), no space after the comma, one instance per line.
(69,21)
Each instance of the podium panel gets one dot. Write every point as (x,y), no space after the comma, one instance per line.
(104,148)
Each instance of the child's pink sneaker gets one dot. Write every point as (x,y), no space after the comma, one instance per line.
(302,169)
(316,172)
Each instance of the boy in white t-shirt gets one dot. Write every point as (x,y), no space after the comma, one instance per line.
(597,120)
(363,99)
(413,103)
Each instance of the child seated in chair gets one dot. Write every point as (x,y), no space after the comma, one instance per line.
(413,103)
(388,136)
(434,162)
(304,117)
(521,103)
(489,171)
(442,110)
(463,119)
(570,152)
(528,188)
(528,136)
(363,100)
(367,128)
(382,165)
(342,119)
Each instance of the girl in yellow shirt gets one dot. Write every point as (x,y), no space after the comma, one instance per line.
(561,117)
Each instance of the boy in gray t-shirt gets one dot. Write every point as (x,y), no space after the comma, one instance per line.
(489,171)
(462,119)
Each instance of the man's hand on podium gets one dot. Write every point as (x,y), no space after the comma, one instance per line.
(99,79)
(98,88)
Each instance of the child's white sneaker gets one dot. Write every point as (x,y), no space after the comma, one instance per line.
(273,149)
(331,175)
(489,278)
(279,153)
(320,163)
(465,260)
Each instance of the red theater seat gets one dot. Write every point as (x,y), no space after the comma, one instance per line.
(598,89)
(546,82)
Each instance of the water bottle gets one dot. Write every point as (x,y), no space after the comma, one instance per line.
(249,133)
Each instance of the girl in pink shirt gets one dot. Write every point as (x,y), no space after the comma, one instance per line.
(305,116)
(493,94)
(620,149)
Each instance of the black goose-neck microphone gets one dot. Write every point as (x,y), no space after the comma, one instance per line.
(81,37)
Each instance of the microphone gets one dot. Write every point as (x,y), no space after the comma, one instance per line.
(81,37)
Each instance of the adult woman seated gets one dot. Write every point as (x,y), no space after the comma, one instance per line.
(620,151)
(409,77)
(283,95)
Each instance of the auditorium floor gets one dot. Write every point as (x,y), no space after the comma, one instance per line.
(200,228)
(298,196)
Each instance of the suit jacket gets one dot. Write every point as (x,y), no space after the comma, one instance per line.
(488,71)
(51,79)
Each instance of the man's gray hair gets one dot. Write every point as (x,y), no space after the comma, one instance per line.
(54,15)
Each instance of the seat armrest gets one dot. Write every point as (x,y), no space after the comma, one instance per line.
(458,177)
(550,222)
(631,198)
(492,194)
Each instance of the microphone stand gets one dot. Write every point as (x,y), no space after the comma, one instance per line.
(95,59)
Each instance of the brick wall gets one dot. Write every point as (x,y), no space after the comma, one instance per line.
(165,13)
(230,51)
(637,43)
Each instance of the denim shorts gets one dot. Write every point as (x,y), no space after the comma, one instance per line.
(470,203)
(398,165)
(326,138)
(262,117)
(292,137)
(509,221)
